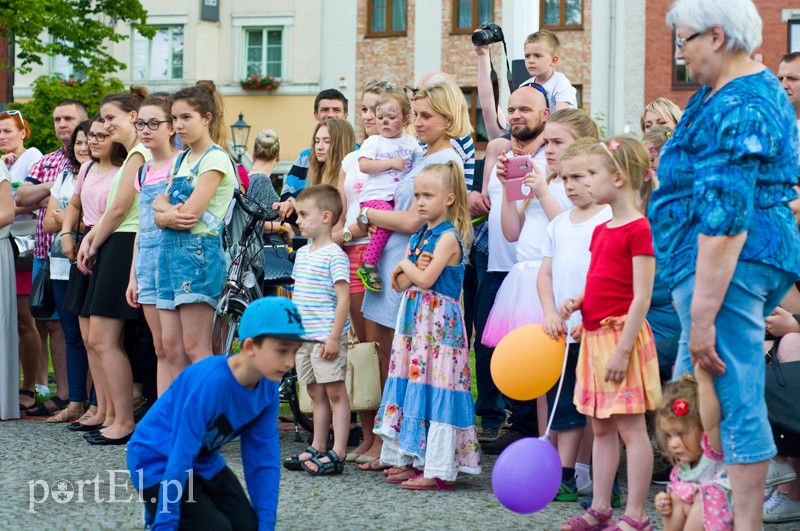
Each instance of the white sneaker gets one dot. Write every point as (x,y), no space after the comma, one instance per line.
(584,489)
(779,508)
(779,473)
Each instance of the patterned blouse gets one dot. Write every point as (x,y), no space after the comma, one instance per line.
(729,168)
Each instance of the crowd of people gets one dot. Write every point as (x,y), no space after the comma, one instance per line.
(668,263)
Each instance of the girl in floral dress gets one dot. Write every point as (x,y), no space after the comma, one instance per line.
(427,418)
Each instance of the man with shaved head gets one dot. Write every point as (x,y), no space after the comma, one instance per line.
(527,114)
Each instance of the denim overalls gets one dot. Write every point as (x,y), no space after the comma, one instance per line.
(149,239)
(191,267)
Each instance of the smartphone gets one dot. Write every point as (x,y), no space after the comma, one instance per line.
(516,170)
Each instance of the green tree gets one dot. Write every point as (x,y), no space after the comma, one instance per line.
(77,29)
(48,91)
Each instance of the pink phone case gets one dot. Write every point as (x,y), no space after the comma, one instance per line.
(516,170)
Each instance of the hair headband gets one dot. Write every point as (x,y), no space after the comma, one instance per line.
(613,146)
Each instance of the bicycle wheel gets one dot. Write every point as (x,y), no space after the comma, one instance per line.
(224,339)
(290,393)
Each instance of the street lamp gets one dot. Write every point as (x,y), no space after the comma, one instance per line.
(240,131)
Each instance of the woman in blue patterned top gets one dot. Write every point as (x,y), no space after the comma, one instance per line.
(725,238)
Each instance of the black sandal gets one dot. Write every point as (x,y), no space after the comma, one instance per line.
(41,410)
(29,394)
(334,467)
(295,464)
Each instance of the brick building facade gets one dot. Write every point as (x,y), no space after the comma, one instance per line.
(662,76)
(391,57)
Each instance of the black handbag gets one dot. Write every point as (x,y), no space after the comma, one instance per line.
(781,391)
(277,265)
(41,301)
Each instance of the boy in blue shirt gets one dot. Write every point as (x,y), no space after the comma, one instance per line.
(173,456)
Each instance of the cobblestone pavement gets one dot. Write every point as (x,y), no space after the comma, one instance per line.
(34,454)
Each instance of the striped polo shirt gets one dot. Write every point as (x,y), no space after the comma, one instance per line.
(315,274)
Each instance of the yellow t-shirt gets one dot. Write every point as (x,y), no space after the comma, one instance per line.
(130,223)
(216,160)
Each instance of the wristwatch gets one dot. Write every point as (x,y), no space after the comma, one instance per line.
(347,235)
(363,217)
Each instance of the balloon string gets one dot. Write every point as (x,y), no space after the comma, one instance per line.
(558,391)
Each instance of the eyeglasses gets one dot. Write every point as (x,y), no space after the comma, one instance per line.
(14,112)
(537,86)
(680,42)
(97,137)
(152,124)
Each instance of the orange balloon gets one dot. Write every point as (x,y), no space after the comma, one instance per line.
(527,362)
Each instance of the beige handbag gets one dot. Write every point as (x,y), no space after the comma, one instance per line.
(363,380)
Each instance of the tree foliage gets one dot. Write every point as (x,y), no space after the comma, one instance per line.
(48,91)
(77,29)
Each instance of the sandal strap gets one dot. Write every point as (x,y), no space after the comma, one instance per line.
(334,465)
(29,394)
(601,517)
(644,524)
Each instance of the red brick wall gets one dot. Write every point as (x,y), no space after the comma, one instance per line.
(384,58)
(3,71)
(458,54)
(659,46)
(575,60)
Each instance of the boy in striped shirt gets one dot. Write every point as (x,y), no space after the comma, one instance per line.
(322,294)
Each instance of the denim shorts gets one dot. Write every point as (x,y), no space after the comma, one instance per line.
(566,416)
(191,269)
(146,262)
(755,290)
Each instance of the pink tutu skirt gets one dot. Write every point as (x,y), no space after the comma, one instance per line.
(516,304)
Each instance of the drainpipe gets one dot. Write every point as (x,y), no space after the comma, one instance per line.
(612,49)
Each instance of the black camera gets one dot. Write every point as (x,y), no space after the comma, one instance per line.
(487,35)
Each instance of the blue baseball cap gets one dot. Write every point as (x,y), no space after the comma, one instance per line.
(276,317)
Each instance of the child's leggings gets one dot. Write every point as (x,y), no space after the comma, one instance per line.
(378,240)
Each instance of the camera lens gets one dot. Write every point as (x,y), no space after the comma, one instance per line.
(481,38)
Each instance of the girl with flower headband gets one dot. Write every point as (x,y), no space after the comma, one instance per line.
(687,431)
(617,374)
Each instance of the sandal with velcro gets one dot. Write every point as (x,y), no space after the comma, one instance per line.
(333,467)
(295,464)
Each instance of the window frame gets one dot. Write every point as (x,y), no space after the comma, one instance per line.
(789,24)
(264,28)
(149,42)
(455,30)
(389,32)
(562,11)
(473,107)
(677,84)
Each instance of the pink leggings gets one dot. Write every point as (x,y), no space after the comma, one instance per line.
(378,240)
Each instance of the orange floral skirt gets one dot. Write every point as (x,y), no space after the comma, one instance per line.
(639,391)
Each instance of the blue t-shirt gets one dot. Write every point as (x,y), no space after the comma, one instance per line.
(728,168)
(204,409)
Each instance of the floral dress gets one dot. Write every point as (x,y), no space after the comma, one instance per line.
(710,479)
(427,417)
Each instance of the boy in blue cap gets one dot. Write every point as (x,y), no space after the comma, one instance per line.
(173,456)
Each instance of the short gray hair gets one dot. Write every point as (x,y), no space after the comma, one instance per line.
(739,19)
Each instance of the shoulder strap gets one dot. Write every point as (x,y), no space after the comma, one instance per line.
(178,161)
(142,173)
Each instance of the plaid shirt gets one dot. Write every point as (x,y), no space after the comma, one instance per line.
(481,240)
(47,169)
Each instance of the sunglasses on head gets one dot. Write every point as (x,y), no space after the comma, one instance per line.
(385,85)
(14,112)
(537,86)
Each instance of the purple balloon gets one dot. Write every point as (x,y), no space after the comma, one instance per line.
(527,475)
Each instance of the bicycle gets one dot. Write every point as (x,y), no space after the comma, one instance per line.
(241,288)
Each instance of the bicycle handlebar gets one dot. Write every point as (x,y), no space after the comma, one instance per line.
(258,212)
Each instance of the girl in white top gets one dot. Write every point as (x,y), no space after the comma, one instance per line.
(525,222)
(386,158)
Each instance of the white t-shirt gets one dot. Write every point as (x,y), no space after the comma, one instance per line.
(353,183)
(62,190)
(380,186)
(559,89)
(502,253)
(567,243)
(534,228)
(22,166)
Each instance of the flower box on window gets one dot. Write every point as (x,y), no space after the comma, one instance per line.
(259,82)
